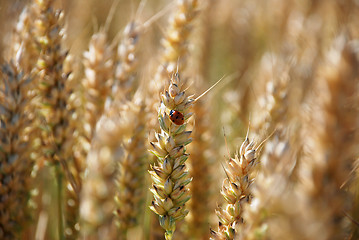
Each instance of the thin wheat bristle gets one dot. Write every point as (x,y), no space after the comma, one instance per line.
(16,133)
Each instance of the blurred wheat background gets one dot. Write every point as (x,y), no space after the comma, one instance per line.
(103,134)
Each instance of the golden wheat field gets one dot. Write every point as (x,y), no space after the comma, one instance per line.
(183,119)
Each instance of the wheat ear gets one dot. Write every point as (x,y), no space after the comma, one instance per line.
(130,177)
(169,175)
(98,80)
(274,102)
(329,151)
(236,190)
(175,46)
(53,84)
(16,134)
(176,36)
(24,47)
(126,63)
(111,164)
(54,91)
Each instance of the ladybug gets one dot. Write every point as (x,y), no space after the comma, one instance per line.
(176,117)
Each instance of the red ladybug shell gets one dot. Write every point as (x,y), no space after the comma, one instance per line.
(176,117)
